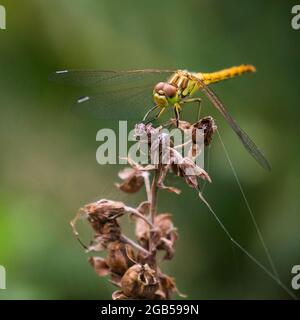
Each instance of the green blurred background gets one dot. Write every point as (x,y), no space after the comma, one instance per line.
(47,164)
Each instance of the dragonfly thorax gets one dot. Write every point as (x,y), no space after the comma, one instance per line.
(164,93)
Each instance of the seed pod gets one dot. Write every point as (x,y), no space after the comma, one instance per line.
(140,281)
(104,210)
(120,257)
(187,169)
(119,295)
(167,287)
(207,124)
(132,180)
(100,266)
(105,233)
(168,234)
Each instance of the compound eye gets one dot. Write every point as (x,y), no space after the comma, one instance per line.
(170,90)
(159,87)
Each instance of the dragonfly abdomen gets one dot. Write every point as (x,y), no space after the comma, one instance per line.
(224,74)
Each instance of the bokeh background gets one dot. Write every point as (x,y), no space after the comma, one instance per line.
(47,164)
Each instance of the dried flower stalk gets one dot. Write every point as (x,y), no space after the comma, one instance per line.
(132,264)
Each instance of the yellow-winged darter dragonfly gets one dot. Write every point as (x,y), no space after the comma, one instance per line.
(122,94)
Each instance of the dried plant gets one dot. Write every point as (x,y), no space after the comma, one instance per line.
(132,265)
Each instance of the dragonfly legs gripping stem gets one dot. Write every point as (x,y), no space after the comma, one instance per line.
(198,101)
(177,110)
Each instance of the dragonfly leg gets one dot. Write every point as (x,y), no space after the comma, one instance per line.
(198,101)
(160,113)
(177,110)
(157,115)
(149,111)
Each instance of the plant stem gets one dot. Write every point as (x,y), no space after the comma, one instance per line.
(147,185)
(153,205)
(135,245)
(153,202)
(139,215)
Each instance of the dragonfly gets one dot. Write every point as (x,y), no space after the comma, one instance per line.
(120,94)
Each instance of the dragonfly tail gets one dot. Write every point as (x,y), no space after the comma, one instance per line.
(224,74)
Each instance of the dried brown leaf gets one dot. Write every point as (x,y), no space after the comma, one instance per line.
(132,178)
(119,295)
(120,257)
(100,266)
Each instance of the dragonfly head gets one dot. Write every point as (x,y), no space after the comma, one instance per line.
(164,93)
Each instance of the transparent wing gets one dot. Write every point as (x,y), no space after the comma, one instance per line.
(108,78)
(121,104)
(117,94)
(242,135)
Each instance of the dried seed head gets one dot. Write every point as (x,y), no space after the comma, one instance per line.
(167,287)
(144,207)
(168,234)
(102,217)
(164,223)
(158,142)
(140,281)
(207,124)
(104,210)
(106,233)
(132,180)
(187,169)
(119,295)
(199,132)
(141,226)
(100,266)
(163,236)
(161,179)
(142,232)
(120,257)
(144,132)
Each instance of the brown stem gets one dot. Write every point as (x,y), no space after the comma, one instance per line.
(135,245)
(153,205)
(139,215)
(147,185)
(153,202)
